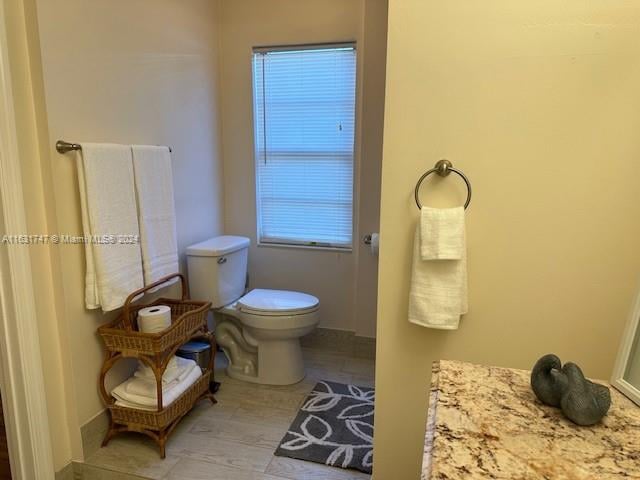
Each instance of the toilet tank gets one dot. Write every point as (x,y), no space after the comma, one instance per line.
(217,269)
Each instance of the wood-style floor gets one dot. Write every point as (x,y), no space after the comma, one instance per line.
(235,439)
(5,470)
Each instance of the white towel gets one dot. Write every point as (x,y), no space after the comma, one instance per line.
(156,210)
(125,399)
(438,295)
(107,200)
(172,372)
(441,233)
(146,386)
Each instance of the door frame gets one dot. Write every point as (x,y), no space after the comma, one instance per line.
(624,354)
(21,374)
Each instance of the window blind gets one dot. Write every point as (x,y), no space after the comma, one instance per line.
(304,112)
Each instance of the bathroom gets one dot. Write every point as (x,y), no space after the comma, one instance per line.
(535,103)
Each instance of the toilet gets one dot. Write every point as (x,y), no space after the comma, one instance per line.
(259,330)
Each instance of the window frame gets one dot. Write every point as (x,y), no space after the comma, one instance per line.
(301,244)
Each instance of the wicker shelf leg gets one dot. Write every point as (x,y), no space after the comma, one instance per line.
(162,443)
(109,435)
(155,436)
(112,432)
(212,366)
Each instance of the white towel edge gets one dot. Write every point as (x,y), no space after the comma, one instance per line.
(436,326)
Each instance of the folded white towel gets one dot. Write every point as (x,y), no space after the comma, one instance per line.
(170,374)
(441,233)
(154,190)
(438,295)
(107,200)
(126,399)
(146,386)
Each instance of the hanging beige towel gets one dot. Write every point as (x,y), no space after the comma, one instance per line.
(108,203)
(438,295)
(154,191)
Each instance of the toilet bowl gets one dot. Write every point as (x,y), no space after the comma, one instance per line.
(260,330)
(272,323)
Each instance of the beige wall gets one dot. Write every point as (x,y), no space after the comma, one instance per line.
(374,57)
(129,72)
(538,102)
(330,275)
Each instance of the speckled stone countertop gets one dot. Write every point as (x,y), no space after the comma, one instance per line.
(485,422)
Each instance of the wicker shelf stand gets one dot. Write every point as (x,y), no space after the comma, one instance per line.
(122,339)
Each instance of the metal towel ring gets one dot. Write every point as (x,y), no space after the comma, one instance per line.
(443,168)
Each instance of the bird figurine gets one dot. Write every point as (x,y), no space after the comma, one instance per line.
(548,381)
(581,401)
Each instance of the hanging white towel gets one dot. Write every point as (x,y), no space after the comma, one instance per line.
(438,295)
(154,190)
(107,200)
(441,233)
(90,281)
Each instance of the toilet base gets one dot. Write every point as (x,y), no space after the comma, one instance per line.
(264,349)
(280,362)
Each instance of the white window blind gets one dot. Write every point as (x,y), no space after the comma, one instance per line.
(304,109)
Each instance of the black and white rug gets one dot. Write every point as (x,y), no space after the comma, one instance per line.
(334,427)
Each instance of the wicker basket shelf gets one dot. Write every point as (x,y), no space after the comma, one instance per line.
(123,340)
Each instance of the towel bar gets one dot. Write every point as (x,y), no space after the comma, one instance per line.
(64,147)
(443,168)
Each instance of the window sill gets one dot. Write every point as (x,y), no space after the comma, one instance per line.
(305,247)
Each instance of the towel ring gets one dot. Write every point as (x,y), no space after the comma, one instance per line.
(443,168)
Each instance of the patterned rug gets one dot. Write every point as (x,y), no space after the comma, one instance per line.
(334,427)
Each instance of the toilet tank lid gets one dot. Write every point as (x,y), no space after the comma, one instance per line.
(218,246)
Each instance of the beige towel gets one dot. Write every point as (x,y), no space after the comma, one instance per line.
(438,295)
(108,203)
(157,217)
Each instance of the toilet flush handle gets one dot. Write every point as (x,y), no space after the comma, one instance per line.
(222,260)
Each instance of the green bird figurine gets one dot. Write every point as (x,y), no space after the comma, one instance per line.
(548,381)
(582,401)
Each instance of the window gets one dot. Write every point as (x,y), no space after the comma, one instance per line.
(304,113)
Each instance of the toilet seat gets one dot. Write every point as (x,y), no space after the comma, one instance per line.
(277,303)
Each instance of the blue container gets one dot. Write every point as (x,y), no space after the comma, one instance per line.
(196,350)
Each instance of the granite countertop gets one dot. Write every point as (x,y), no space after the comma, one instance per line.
(485,422)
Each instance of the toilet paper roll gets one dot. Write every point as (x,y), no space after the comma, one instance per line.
(154,319)
(375,243)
